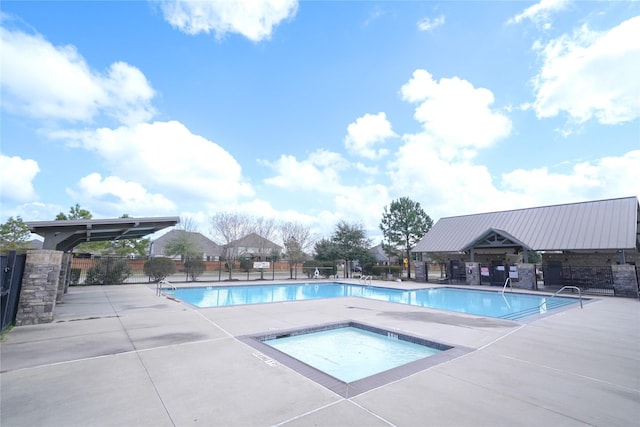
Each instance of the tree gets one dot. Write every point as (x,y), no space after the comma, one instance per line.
(229,227)
(183,244)
(350,243)
(403,224)
(266,228)
(125,247)
(326,250)
(75,212)
(296,239)
(14,235)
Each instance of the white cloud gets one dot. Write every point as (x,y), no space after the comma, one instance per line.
(428,24)
(440,185)
(603,178)
(166,157)
(591,74)
(319,172)
(365,133)
(540,13)
(254,19)
(457,116)
(54,82)
(117,196)
(16,176)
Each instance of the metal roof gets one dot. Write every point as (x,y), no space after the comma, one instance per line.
(65,235)
(596,225)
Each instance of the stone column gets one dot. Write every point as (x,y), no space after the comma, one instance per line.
(473,273)
(526,277)
(65,274)
(39,287)
(625,283)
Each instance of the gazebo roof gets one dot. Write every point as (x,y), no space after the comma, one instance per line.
(65,235)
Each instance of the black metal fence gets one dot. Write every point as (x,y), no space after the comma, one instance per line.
(12,265)
(110,270)
(596,280)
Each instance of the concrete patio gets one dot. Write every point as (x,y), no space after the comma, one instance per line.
(122,356)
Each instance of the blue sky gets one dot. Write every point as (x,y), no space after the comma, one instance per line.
(316,112)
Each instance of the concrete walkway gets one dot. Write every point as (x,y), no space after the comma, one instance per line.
(122,356)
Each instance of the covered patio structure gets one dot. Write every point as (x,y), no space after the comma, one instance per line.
(488,248)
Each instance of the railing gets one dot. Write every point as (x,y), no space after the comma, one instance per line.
(562,289)
(168,285)
(507,282)
(363,279)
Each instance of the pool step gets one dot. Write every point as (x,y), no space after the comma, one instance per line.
(551,304)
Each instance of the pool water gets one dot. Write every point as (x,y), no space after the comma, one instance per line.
(350,353)
(512,306)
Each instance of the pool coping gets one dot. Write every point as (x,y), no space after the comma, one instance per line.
(523,320)
(272,355)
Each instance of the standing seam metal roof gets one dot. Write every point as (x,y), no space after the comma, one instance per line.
(595,225)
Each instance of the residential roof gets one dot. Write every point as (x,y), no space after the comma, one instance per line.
(253,240)
(594,225)
(201,242)
(64,235)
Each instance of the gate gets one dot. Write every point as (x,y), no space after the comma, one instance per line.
(493,274)
(11,279)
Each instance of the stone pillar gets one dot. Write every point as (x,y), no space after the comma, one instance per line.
(39,287)
(65,273)
(625,283)
(473,273)
(526,277)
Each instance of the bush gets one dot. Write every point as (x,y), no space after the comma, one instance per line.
(383,270)
(246,265)
(108,271)
(325,268)
(74,277)
(194,267)
(159,268)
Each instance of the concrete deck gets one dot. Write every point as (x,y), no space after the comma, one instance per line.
(122,356)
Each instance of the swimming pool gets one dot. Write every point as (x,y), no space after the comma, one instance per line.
(511,306)
(350,357)
(350,353)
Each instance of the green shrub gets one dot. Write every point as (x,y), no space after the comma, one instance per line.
(383,270)
(246,265)
(74,276)
(159,268)
(194,267)
(325,268)
(109,271)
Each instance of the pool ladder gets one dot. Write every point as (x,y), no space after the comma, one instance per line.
(164,282)
(364,279)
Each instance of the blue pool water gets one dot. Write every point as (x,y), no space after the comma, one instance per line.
(350,353)
(509,305)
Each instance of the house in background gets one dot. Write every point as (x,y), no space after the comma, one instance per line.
(381,258)
(209,249)
(253,246)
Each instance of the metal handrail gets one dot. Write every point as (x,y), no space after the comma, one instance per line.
(164,282)
(508,281)
(562,289)
(363,279)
